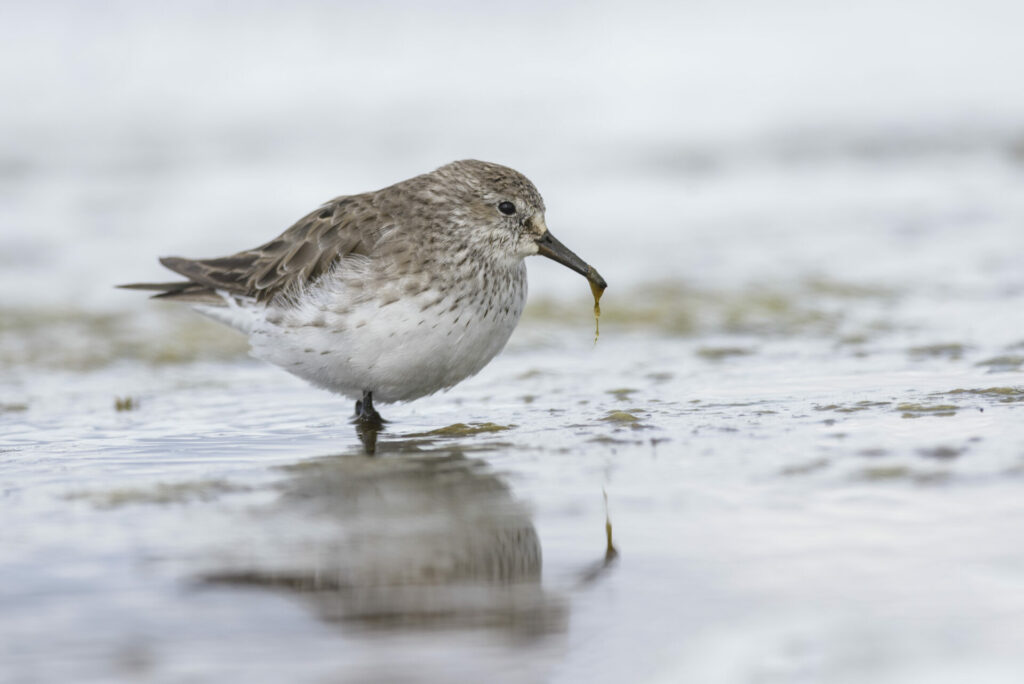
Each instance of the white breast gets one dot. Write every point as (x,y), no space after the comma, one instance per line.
(398,346)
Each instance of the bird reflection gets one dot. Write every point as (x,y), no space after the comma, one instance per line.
(418,536)
(367,432)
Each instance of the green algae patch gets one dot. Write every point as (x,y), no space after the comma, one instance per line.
(612,441)
(897,473)
(676,308)
(918,410)
(853,408)
(952,351)
(160,494)
(823,286)
(531,374)
(942,453)
(759,312)
(621,393)
(804,468)
(1005,395)
(125,404)
(853,340)
(620,417)
(623,418)
(999,364)
(82,340)
(464,430)
(722,353)
(885,473)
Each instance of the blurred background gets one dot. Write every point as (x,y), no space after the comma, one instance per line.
(811,218)
(661,134)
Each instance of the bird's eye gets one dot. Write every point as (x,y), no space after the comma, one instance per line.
(507,208)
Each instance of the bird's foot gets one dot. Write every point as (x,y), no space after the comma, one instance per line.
(368,423)
(366,415)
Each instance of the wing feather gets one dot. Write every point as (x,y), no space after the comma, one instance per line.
(298,257)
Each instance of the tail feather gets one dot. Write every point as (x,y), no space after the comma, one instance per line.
(183,291)
(206,277)
(164,287)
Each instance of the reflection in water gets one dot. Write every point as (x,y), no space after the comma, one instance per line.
(415,536)
(598,569)
(367,433)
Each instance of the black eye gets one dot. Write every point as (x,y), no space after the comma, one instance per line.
(507,208)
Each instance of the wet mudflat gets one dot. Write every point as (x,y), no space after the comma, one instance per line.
(787,502)
(794,454)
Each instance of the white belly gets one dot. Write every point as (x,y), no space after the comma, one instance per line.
(399,351)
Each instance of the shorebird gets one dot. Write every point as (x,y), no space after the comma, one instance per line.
(388,295)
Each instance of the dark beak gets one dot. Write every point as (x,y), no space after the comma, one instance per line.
(550,247)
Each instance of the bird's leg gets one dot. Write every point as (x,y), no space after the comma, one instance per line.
(368,423)
(365,413)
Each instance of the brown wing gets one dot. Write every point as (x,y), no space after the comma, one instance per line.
(300,255)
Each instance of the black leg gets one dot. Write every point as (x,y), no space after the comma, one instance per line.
(365,413)
(368,423)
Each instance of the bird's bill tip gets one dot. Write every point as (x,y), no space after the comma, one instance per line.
(548,245)
(596,280)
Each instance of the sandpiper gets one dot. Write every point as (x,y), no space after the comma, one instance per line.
(388,295)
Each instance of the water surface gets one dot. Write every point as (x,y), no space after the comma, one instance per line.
(794,454)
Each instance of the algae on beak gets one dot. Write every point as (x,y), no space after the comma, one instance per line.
(549,246)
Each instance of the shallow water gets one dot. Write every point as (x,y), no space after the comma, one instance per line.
(794,454)
(789,507)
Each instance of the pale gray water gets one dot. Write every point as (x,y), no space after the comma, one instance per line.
(803,406)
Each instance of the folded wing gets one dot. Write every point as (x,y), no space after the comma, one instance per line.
(298,257)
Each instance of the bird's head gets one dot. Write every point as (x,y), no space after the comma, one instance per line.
(497,210)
